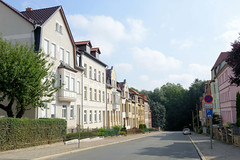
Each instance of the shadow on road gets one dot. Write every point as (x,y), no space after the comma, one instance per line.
(176,150)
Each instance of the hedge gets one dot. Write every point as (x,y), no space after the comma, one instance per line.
(19,133)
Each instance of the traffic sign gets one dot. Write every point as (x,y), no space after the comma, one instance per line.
(208,99)
(209,113)
(208,105)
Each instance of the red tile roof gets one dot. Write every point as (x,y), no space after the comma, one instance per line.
(83,43)
(131,90)
(96,49)
(221,57)
(144,97)
(39,16)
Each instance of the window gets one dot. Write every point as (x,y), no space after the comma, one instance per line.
(88,48)
(99,76)
(60,80)
(95,116)
(103,78)
(90,93)
(95,94)
(85,116)
(78,87)
(108,98)
(72,88)
(44,112)
(72,112)
(62,54)
(85,92)
(103,95)
(90,72)
(100,116)
(58,28)
(46,46)
(95,74)
(67,83)
(67,57)
(53,50)
(79,61)
(53,111)
(99,94)
(85,72)
(64,111)
(90,117)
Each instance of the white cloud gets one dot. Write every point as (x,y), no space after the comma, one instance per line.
(231,34)
(183,44)
(200,71)
(105,31)
(123,68)
(154,60)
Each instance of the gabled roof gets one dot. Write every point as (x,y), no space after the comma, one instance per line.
(83,43)
(133,91)
(40,16)
(95,50)
(221,57)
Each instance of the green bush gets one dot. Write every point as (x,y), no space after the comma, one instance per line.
(117,129)
(108,132)
(123,133)
(19,133)
(142,126)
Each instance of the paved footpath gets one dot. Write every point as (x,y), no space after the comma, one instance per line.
(57,149)
(220,150)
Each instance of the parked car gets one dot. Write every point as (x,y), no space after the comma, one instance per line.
(186,131)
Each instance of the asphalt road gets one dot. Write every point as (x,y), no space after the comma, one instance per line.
(166,145)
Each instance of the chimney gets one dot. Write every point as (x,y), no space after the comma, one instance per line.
(29,9)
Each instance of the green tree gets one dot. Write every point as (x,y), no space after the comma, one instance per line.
(158,114)
(233,60)
(26,79)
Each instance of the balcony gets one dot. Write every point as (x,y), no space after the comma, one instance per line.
(66,96)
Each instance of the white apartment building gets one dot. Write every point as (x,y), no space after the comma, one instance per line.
(93,111)
(48,29)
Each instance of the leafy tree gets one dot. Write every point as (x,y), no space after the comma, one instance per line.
(158,115)
(26,79)
(233,60)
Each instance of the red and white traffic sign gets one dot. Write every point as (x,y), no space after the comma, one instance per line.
(208,99)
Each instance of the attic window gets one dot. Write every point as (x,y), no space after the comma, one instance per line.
(59,28)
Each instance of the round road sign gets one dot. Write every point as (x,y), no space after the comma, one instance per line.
(208,99)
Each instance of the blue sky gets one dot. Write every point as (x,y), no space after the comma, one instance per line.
(152,42)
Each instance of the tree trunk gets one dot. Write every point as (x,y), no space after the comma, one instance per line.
(21,112)
(8,108)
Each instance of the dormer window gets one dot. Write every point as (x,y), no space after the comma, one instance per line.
(97,55)
(87,48)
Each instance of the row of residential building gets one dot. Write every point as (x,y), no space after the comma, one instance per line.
(91,92)
(222,91)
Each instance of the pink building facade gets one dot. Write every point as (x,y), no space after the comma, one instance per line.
(227,95)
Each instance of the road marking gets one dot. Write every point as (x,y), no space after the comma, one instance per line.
(198,150)
(84,149)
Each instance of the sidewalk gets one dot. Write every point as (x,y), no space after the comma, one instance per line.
(220,151)
(57,149)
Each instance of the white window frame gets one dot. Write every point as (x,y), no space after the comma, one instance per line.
(90,93)
(90,116)
(99,95)
(71,111)
(46,46)
(90,72)
(64,111)
(53,110)
(95,94)
(85,72)
(68,57)
(100,116)
(103,96)
(95,116)
(72,84)
(61,51)
(103,78)
(67,81)
(95,74)
(53,50)
(85,92)
(99,76)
